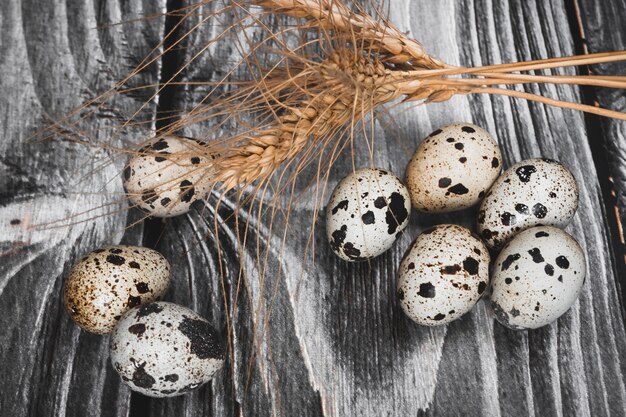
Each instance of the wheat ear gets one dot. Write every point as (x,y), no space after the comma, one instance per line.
(333,90)
(358,27)
(373,63)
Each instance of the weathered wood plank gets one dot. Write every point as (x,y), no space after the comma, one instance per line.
(601,28)
(536,130)
(55,55)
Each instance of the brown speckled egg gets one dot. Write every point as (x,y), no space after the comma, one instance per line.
(442,275)
(531,193)
(168,176)
(107,282)
(163,350)
(453,168)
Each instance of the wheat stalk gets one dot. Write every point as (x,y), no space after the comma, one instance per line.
(341,89)
(331,87)
(349,86)
(370,63)
(373,64)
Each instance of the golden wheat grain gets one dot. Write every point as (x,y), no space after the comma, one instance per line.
(353,82)
(340,90)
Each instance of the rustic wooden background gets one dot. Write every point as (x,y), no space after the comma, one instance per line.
(337,343)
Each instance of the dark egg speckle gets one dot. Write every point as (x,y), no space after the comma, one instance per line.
(203,337)
(427,290)
(444,182)
(115,259)
(458,189)
(508,219)
(524,172)
(540,211)
(562,262)
(368,217)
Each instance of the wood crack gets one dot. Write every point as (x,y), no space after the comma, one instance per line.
(140,405)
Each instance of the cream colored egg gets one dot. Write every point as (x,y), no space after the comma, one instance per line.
(163,350)
(443,275)
(366,213)
(107,282)
(168,175)
(531,193)
(453,168)
(537,277)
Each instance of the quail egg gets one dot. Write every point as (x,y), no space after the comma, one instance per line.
(366,213)
(162,349)
(443,275)
(531,193)
(168,175)
(107,282)
(453,168)
(537,277)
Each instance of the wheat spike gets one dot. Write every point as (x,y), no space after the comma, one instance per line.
(331,88)
(306,98)
(339,90)
(396,47)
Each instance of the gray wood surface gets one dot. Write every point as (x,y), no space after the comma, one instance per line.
(336,342)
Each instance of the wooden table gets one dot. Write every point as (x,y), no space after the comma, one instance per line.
(336,343)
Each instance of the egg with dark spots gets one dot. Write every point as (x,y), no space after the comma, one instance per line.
(453,168)
(366,213)
(107,282)
(442,275)
(168,175)
(163,350)
(537,277)
(531,193)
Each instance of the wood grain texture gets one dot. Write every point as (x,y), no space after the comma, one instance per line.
(600,31)
(55,55)
(336,342)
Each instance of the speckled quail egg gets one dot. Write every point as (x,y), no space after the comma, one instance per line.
(443,275)
(168,175)
(531,193)
(537,277)
(453,168)
(162,349)
(107,282)
(366,213)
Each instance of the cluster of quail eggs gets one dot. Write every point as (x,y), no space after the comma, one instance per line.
(539,269)
(158,348)
(163,349)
